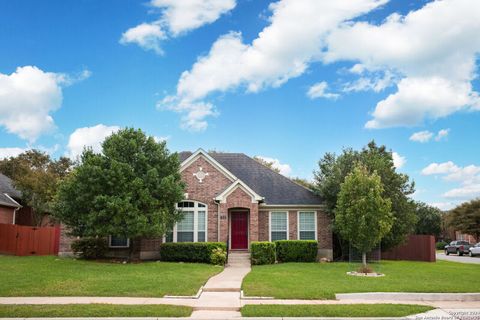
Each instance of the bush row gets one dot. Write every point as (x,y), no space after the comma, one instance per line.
(264,252)
(205,252)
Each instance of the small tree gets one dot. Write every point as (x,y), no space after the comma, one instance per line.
(37,177)
(130,190)
(466,218)
(363,216)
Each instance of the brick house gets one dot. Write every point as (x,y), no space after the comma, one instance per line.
(232,198)
(8,205)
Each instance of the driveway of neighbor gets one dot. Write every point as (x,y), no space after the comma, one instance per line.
(456,258)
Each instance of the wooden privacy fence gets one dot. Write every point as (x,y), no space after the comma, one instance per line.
(417,248)
(29,241)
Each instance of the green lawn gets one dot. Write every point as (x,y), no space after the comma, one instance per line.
(92,310)
(322,281)
(345,310)
(52,276)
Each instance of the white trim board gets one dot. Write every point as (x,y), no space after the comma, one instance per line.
(202,153)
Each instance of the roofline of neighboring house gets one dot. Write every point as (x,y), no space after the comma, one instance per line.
(15,204)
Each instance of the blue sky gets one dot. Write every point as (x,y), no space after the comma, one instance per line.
(287,80)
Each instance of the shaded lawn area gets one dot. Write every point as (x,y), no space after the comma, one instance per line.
(53,276)
(343,310)
(92,310)
(322,281)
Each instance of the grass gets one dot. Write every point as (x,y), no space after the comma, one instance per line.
(322,281)
(52,276)
(92,310)
(339,310)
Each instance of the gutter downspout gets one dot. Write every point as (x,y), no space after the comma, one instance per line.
(15,214)
(218,220)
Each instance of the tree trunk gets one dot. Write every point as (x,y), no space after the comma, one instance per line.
(364,259)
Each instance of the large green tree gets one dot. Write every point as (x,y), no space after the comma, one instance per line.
(36,176)
(429,219)
(128,190)
(466,218)
(363,216)
(397,186)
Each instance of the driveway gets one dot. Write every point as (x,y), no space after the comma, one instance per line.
(455,258)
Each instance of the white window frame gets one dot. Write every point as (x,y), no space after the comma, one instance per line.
(316,223)
(110,243)
(195,210)
(270,223)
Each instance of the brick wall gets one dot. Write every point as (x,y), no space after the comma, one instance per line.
(65,242)
(292,225)
(6,215)
(206,191)
(263,226)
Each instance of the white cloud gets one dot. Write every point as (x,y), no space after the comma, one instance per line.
(373,81)
(283,50)
(28,96)
(10,152)
(176,18)
(421,136)
(161,139)
(319,90)
(88,137)
(468,177)
(442,134)
(444,206)
(146,35)
(284,168)
(398,160)
(426,136)
(436,67)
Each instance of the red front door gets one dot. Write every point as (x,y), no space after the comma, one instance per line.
(239,230)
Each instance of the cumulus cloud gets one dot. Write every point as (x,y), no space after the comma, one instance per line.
(426,136)
(319,90)
(10,152)
(176,18)
(283,50)
(468,177)
(442,134)
(91,137)
(29,96)
(436,68)
(421,136)
(444,206)
(284,168)
(398,160)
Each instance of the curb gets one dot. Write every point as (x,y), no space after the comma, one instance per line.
(409,296)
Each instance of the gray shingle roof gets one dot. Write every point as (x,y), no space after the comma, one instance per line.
(6,186)
(277,189)
(7,202)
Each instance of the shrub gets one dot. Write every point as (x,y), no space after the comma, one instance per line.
(441,245)
(90,248)
(218,257)
(296,250)
(189,251)
(262,252)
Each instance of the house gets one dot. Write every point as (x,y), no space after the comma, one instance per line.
(232,198)
(8,205)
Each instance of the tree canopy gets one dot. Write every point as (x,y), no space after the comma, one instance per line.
(363,216)
(396,186)
(36,176)
(128,190)
(429,220)
(466,218)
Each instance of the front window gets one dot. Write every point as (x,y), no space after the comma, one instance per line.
(307,227)
(278,226)
(118,242)
(193,226)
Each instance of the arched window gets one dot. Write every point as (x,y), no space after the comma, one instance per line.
(193,226)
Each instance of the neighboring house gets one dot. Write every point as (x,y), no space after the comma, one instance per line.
(8,205)
(232,198)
